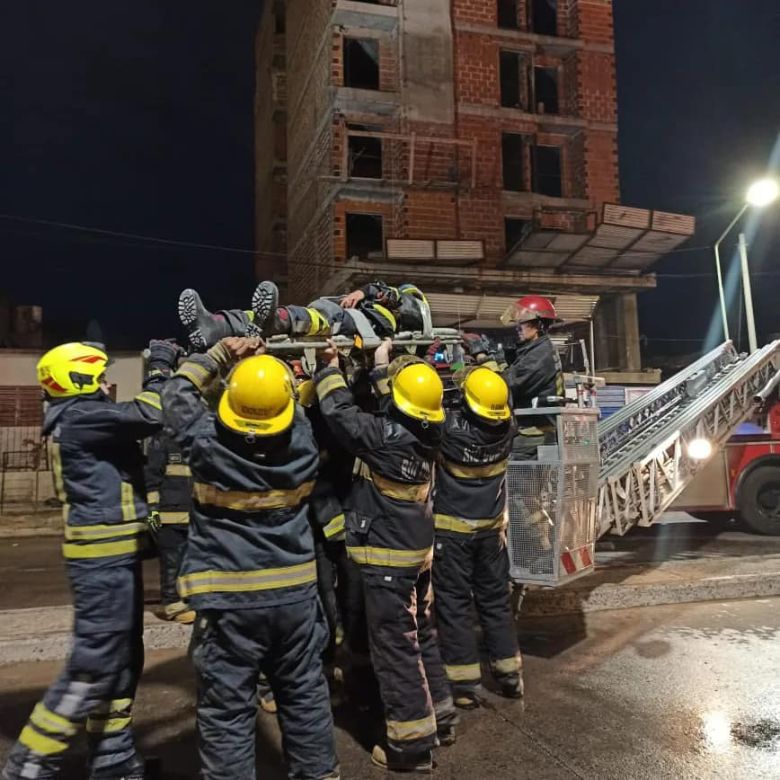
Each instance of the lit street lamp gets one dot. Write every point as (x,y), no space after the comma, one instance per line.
(761,193)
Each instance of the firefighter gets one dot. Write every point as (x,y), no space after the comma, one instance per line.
(169,494)
(470,556)
(249,568)
(98,471)
(389,529)
(388,310)
(535,377)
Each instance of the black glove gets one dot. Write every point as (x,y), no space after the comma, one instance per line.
(164,354)
(476,344)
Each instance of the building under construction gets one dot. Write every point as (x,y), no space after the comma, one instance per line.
(468,145)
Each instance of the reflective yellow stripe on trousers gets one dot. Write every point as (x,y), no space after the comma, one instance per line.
(246,581)
(110,717)
(463,672)
(463,526)
(385,556)
(100,541)
(403,730)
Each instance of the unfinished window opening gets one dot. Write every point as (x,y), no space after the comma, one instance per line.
(365,154)
(361,63)
(546,161)
(516,230)
(546,90)
(544,16)
(507,14)
(364,236)
(512,146)
(512,72)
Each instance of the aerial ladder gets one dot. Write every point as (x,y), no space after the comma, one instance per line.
(652,449)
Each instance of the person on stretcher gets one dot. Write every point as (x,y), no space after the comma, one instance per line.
(389,310)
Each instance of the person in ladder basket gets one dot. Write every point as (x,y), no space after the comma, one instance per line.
(470,556)
(249,569)
(389,528)
(535,377)
(98,471)
(388,310)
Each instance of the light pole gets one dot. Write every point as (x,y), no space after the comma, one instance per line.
(759,194)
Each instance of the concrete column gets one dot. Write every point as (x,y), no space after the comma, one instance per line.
(628,330)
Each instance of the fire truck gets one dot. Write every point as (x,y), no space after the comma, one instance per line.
(742,479)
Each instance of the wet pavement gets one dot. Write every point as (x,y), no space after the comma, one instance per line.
(689,691)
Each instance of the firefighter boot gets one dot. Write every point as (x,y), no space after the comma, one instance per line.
(206,329)
(134,768)
(265,305)
(178,612)
(394,761)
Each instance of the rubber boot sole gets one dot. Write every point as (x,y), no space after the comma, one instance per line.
(191,309)
(265,301)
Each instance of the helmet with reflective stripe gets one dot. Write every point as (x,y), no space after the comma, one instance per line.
(418,392)
(413,291)
(530,308)
(487,394)
(259,400)
(72,369)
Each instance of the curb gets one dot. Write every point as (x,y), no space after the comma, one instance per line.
(609,596)
(29,642)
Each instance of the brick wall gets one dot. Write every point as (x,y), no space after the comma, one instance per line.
(441,203)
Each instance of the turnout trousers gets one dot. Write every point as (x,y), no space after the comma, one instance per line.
(229,649)
(474,568)
(171,543)
(98,683)
(406,660)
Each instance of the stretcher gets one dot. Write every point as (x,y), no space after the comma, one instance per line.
(364,338)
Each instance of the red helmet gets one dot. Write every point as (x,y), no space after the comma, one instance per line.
(529,308)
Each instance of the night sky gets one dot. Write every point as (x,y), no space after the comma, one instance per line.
(137,118)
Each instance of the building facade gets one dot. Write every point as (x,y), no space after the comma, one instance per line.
(469,145)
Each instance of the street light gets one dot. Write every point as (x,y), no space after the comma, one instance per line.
(761,193)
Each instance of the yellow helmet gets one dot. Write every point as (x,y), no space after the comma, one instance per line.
(259,400)
(418,392)
(307,393)
(487,394)
(72,369)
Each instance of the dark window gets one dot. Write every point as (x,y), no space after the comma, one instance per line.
(365,155)
(512,71)
(546,90)
(364,235)
(279,21)
(544,16)
(507,14)
(515,230)
(361,63)
(546,161)
(512,147)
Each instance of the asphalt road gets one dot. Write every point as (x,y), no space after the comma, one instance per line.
(32,572)
(681,692)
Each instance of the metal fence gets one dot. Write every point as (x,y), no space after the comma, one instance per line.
(552,501)
(23,453)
